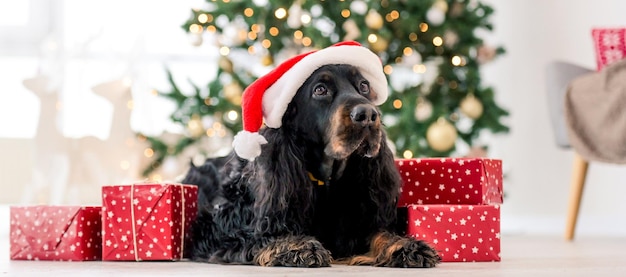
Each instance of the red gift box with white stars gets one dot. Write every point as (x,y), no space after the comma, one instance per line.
(460,233)
(146,221)
(473,181)
(610,45)
(55,233)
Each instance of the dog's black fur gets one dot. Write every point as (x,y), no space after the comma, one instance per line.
(273,212)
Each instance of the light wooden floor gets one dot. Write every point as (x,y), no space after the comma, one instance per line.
(521,256)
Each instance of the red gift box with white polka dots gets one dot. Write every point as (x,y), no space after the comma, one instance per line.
(460,233)
(146,221)
(473,181)
(56,233)
(610,45)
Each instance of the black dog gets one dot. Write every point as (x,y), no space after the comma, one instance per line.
(323,189)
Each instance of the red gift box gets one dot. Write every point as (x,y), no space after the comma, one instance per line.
(460,233)
(56,233)
(146,221)
(610,45)
(472,181)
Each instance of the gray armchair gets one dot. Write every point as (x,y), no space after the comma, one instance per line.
(588,112)
(559,76)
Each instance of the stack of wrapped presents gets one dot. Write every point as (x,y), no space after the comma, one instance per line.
(135,222)
(454,205)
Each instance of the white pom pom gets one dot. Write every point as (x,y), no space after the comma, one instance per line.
(247,145)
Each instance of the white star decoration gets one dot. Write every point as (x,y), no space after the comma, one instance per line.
(462,221)
(417,222)
(475,250)
(442,187)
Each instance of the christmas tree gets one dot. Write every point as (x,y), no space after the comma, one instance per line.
(429,49)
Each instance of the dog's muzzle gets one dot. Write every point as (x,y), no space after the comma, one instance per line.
(364,115)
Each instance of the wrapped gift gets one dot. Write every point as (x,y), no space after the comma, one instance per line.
(610,45)
(460,233)
(450,181)
(58,233)
(146,221)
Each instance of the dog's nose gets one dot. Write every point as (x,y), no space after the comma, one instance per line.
(364,115)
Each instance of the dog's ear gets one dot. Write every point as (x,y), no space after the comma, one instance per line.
(291,111)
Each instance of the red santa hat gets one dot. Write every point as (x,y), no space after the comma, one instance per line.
(267,98)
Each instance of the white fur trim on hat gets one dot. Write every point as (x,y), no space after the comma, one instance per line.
(278,96)
(247,145)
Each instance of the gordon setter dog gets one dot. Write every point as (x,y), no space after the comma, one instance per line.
(323,190)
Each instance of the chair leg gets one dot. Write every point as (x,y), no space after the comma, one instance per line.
(579,173)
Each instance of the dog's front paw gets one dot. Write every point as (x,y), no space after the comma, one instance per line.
(391,250)
(413,253)
(294,251)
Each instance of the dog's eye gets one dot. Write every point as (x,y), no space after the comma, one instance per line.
(364,87)
(320,90)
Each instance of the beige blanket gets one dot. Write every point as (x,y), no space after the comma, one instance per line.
(595,112)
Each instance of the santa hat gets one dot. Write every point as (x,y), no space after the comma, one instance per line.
(267,98)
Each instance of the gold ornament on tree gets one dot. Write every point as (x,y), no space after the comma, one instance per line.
(423,109)
(225,64)
(377,43)
(450,38)
(485,54)
(374,20)
(233,92)
(194,125)
(267,60)
(471,106)
(352,30)
(441,5)
(457,9)
(441,135)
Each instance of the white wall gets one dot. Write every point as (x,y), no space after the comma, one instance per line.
(534,33)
